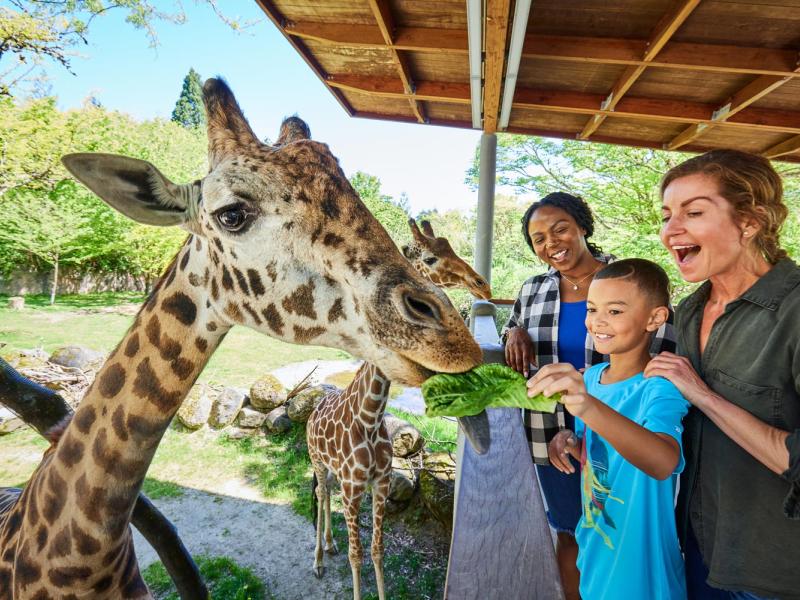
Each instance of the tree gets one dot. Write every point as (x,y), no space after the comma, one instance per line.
(189,112)
(392,216)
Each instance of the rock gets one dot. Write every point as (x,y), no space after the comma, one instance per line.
(9,421)
(77,357)
(437,482)
(196,407)
(250,417)
(26,359)
(267,393)
(225,408)
(299,407)
(16,303)
(238,433)
(404,481)
(277,421)
(406,439)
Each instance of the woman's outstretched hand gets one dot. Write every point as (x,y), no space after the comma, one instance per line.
(519,350)
(679,371)
(564,444)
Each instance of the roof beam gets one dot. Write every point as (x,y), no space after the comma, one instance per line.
(497,13)
(786,147)
(668,25)
(653,109)
(383,16)
(752,92)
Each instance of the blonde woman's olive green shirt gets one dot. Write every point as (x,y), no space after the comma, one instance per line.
(746,517)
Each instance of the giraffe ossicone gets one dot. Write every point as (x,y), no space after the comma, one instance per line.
(279,242)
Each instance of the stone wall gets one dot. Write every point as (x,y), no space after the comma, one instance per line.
(70,281)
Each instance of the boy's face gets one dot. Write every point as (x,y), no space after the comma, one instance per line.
(620,317)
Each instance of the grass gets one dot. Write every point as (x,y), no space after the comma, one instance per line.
(225,579)
(155,489)
(243,356)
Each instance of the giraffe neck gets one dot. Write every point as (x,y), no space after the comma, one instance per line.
(107,448)
(367,395)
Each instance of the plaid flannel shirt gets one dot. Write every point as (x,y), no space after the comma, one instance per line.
(536,309)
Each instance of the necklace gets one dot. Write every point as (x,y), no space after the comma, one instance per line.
(581,280)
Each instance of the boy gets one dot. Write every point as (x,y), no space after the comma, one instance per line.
(630,429)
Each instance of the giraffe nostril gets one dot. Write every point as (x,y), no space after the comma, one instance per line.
(419,309)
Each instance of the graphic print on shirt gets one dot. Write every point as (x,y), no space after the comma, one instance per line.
(596,490)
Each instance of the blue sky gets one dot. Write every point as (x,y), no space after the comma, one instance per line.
(270,81)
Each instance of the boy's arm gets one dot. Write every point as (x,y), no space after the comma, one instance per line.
(656,454)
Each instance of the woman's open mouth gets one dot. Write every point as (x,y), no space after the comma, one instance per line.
(558,256)
(685,253)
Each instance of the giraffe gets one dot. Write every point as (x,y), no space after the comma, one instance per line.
(279,242)
(346,434)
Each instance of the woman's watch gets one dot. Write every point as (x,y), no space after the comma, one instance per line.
(504,336)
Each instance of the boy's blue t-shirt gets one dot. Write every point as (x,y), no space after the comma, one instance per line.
(572,333)
(627,539)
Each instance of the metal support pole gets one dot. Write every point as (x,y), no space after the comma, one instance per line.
(483,238)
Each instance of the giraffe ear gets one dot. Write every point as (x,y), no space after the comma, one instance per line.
(293,129)
(427,228)
(228,130)
(418,235)
(135,188)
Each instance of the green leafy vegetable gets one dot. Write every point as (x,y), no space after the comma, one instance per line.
(485,386)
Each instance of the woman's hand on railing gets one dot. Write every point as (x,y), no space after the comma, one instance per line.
(519,350)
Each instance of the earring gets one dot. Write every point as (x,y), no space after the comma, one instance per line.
(746,233)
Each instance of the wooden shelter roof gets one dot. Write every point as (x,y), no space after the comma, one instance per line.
(675,74)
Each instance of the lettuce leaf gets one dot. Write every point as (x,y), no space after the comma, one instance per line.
(485,386)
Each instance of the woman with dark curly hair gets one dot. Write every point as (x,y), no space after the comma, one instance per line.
(547,325)
(739,365)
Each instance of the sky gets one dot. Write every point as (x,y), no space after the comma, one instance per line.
(270,81)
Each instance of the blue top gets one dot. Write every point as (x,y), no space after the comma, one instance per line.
(572,333)
(627,538)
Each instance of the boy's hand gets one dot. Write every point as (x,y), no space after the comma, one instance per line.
(564,444)
(564,378)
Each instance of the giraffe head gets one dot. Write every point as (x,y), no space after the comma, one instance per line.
(282,243)
(434,258)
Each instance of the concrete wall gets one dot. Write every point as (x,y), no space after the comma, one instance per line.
(69,282)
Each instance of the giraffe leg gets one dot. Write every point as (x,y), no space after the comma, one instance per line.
(330,544)
(352,502)
(322,493)
(380,491)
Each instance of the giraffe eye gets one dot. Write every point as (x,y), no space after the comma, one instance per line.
(232,218)
(430,260)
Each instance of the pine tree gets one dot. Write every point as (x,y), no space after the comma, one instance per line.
(188,110)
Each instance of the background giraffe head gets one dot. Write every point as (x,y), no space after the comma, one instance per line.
(434,258)
(282,243)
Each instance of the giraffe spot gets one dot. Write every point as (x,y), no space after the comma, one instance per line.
(180,306)
(211,326)
(288,225)
(185,259)
(218,244)
(170,349)
(336,311)
(132,347)
(142,429)
(241,281)
(103,584)
(153,331)
(147,386)
(44,595)
(67,576)
(301,301)
(113,555)
(70,450)
(41,538)
(61,545)
(26,571)
(55,497)
(201,344)
(273,318)
(255,282)
(227,280)
(330,208)
(214,289)
(12,525)
(252,313)
(111,461)
(198,245)
(84,418)
(170,277)
(272,271)
(348,340)
(182,368)
(93,499)
(232,310)
(332,240)
(32,510)
(118,424)
(215,258)
(195,280)
(233,254)
(85,544)
(315,235)
(111,381)
(304,335)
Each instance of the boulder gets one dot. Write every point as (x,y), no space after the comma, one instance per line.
(406,439)
(250,417)
(277,421)
(196,407)
(16,302)
(77,357)
(404,481)
(26,359)
(9,421)
(299,407)
(437,482)
(226,406)
(238,433)
(267,393)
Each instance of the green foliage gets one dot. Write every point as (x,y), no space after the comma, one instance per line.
(155,489)
(225,580)
(440,433)
(392,215)
(189,111)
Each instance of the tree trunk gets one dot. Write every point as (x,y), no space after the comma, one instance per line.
(55,281)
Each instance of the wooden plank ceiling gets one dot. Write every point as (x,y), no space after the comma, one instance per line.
(675,74)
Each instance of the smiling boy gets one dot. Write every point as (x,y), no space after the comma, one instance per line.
(627,438)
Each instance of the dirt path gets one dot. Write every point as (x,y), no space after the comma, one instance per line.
(273,541)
